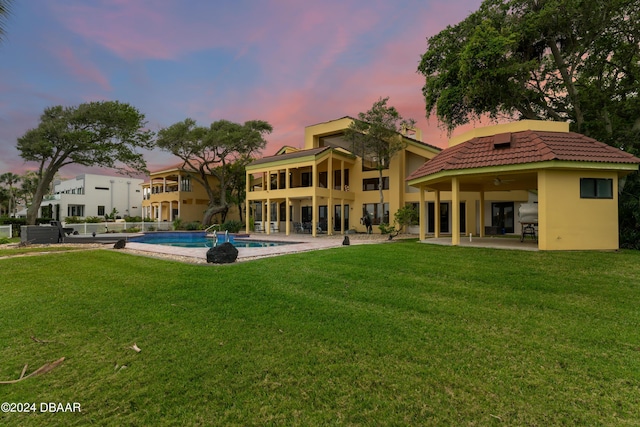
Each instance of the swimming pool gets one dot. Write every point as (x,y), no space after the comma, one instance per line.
(198,239)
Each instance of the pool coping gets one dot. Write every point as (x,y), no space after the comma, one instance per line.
(298,243)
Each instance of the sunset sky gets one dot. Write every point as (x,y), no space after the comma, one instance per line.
(292,63)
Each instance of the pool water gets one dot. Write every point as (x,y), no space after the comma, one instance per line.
(197,239)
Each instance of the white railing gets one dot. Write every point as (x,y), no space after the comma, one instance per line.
(119,227)
(6,231)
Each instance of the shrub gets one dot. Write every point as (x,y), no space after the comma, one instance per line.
(407,215)
(16,223)
(386,228)
(177,224)
(232,226)
(191,226)
(92,219)
(4,240)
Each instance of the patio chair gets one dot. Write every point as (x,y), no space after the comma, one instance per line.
(298,228)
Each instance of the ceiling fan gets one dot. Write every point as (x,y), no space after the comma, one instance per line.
(499,181)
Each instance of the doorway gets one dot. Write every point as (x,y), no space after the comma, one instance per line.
(502,217)
(336,216)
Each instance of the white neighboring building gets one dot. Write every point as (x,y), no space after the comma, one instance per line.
(93,195)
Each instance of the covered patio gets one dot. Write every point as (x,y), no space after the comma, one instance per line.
(572,179)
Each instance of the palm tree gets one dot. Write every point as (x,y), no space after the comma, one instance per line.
(4,201)
(10,178)
(29,184)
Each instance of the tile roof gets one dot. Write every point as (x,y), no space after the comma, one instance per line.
(522,147)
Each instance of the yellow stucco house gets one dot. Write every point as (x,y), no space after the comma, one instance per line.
(173,193)
(567,183)
(325,188)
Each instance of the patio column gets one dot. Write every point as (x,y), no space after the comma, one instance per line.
(342,230)
(314,215)
(436,214)
(267,222)
(481,231)
(287,216)
(314,199)
(422,215)
(455,211)
(330,209)
(247,215)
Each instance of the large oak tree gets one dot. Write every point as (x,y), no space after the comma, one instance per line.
(210,151)
(103,134)
(566,60)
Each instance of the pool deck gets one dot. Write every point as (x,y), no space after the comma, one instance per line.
(299,243)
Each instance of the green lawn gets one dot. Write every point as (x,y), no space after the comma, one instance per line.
(391,334)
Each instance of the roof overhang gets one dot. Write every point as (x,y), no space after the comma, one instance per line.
(301,159)
(512,177)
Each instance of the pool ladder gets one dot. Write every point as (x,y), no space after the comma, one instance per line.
(215,237)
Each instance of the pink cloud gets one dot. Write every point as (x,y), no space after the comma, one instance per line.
(83,69)
(299,48)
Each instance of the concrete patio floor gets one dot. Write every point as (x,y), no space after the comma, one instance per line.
(511,243)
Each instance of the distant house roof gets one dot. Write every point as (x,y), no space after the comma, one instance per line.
(528,146)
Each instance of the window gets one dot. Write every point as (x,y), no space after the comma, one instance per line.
(322,179)
(307,213)
(370,163)
(75,210)
(102,188)
(371,184)
(306,179)
(100,210)
(377,213)
(502,217)
(444,217)
(185,183)
(337,176)
(323,217)
(596,188)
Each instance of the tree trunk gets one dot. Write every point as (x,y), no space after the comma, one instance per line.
(211,211)
(568,81)
(43,186)
(380,187)
(240,212)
